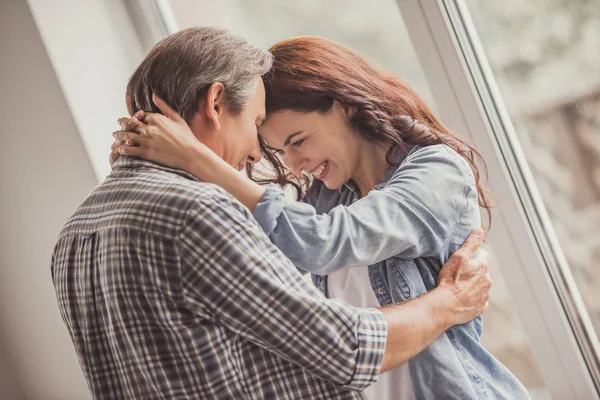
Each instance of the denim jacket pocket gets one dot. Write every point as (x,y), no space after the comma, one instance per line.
(399,287)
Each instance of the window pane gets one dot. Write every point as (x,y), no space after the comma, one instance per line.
(546,60)
(505,338)
(376,30)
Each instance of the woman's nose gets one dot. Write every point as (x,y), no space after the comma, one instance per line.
(295,164)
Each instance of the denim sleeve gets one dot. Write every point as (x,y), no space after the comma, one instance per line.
(413,216)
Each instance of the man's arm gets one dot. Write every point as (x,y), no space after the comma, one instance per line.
(231,267)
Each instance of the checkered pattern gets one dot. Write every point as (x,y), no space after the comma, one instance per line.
(170,290)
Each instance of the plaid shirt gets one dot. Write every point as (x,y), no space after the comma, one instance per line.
(170,290)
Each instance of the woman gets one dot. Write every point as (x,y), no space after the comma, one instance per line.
(388,195)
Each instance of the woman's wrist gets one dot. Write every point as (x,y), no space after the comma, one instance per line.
(207,166)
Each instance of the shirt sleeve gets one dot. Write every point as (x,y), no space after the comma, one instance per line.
(232,268)
(413,216)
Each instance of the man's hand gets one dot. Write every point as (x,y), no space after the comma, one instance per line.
(462,294)
(467,279)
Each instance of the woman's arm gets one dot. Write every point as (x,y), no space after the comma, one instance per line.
(168,140)
(414,215)
(209,167)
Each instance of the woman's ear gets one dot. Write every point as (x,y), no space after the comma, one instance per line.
(348,110)
(214,104)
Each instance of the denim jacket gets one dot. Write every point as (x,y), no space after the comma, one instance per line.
(405,229)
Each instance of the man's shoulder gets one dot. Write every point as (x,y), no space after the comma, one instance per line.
(208,197)
(196,198)
(185,196)
(192,192)
(158,183)
(154,201)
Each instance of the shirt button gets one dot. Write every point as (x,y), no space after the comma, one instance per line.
(380,291)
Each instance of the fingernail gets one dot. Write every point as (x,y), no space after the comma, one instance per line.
(128,142)
(138,114)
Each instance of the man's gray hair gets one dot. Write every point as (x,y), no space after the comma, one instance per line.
(181,68)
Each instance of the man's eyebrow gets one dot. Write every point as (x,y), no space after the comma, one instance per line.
(289,138)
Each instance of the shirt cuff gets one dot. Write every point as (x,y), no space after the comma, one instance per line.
(269,208)
(372,339)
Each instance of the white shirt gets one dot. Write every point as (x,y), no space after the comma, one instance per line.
(352,285)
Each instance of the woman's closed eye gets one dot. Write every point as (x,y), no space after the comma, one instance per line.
(298,143)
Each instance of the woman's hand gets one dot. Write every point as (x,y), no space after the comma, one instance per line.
(168,140)
(165,139)
(127,124)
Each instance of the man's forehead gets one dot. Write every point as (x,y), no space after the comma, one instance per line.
(261,98)
(261,89)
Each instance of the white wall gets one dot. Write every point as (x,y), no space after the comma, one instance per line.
(44,174)
(93,48)
(10,387)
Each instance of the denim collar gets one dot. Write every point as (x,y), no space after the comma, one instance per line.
(397,159)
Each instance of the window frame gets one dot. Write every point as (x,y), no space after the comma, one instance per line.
(533,265)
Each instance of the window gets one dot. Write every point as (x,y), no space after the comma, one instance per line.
(544,57)
(519,40)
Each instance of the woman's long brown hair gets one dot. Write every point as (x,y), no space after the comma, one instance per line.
(309,73)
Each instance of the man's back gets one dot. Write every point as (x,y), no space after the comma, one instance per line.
(154,283)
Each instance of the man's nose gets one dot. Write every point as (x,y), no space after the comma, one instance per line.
(255,155)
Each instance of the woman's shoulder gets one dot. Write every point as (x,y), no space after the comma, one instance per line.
(437,178)
(436,162)
(440,185)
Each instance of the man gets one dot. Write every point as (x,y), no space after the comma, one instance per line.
(170,290)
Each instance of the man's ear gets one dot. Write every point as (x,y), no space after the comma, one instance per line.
(214,104)
(128,104)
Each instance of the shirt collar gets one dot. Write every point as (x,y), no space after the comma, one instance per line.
(127,162)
